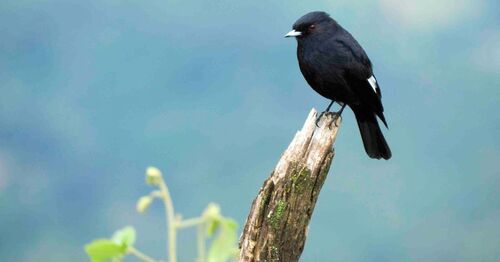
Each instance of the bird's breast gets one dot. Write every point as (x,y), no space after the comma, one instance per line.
(320,73)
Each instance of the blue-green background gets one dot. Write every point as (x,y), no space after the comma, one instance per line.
(93,92)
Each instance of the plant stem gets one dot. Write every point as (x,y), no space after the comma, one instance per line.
(170,220)
(201,243)
(139,254)
(190,222)
(156,193)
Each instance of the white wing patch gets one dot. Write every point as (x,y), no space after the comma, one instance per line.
(373,83)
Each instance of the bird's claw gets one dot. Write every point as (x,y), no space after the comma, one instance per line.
(319,117)
(334,120)
(334,115)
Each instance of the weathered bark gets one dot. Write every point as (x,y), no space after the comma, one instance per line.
(276,228)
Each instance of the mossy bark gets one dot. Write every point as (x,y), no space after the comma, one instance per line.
(276,228)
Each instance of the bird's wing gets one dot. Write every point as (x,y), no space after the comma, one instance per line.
(355,60)
(358,73)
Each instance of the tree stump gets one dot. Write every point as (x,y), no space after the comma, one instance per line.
(277,225)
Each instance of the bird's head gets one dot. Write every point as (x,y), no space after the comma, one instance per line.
(312,23)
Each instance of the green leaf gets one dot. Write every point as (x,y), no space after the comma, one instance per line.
(224,245)
(212,226)
(213,217)
(124,236)
(102,250)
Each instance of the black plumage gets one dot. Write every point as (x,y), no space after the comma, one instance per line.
(335,65)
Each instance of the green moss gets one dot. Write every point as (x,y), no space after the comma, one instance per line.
(274,254)
(265,199)
(277,214)
(301,178)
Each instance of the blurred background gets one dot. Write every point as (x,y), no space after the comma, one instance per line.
(93,92)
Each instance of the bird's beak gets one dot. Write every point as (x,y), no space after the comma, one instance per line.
(293,33)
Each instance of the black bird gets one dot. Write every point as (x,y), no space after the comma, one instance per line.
(335,65)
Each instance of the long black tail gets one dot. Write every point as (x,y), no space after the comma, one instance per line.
(373,139)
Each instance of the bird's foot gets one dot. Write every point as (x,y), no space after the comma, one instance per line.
(320,116)
(335,116)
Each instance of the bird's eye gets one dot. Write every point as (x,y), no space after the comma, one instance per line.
(311,27)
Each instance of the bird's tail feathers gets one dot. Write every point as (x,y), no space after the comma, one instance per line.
(373,139)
